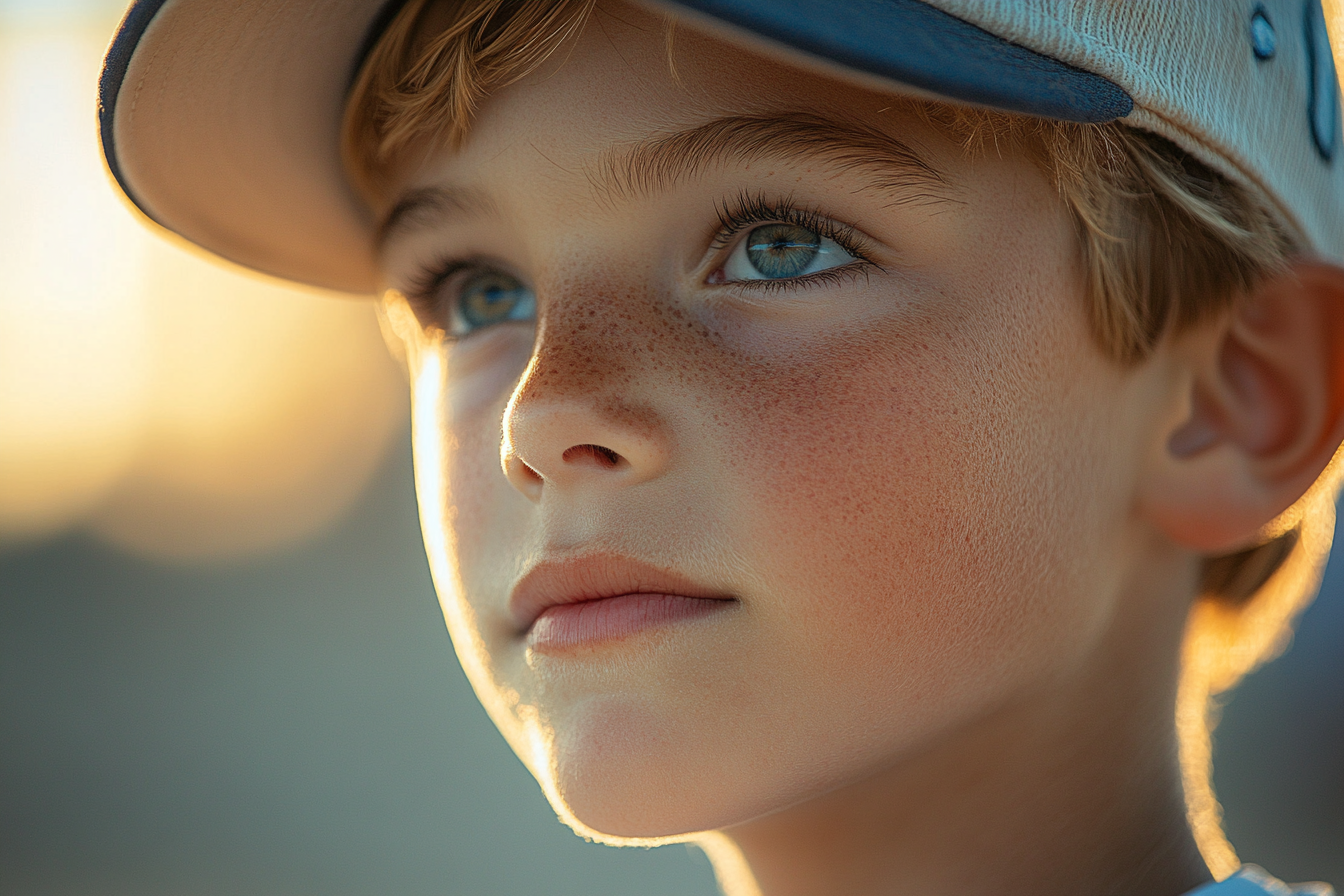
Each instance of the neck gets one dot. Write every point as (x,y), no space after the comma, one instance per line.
(1073,790)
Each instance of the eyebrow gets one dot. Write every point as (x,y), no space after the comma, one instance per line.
(659,163)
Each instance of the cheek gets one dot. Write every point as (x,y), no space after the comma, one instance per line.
(460,393)
(915,499)
(459,396)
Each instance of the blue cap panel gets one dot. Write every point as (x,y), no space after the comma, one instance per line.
(916,44)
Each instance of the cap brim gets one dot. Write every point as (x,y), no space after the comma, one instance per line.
(221,121)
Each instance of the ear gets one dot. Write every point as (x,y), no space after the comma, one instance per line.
(1266,413)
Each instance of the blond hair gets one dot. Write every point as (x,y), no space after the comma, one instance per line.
(1165,241)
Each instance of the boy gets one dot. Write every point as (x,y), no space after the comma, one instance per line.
(855,438)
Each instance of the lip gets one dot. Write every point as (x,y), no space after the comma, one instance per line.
(566,602)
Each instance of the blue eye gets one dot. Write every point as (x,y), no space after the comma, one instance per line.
(781,252)
(480,297)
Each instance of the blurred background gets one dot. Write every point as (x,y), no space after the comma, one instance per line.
(222,667)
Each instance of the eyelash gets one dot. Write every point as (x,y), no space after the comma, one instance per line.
(747,210)
(424,284)
(427,280)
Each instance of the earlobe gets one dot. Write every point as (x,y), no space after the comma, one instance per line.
(1266,413)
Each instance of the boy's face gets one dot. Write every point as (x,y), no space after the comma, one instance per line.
(839,375)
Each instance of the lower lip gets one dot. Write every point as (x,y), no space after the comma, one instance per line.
(593,621)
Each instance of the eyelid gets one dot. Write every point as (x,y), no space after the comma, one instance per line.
(748,210)
(427,279)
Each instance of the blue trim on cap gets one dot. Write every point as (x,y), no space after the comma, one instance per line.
(115,64)
(915,44)
(1322,84)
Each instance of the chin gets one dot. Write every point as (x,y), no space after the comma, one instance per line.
(622,774)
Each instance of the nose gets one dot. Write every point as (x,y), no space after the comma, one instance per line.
(565,437)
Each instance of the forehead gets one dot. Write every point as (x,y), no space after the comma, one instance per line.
(630,74)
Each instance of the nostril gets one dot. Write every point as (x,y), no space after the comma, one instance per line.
(596,454)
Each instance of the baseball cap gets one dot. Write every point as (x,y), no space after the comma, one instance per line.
(221,122)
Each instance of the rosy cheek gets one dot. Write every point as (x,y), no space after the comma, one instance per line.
(874,484)
(857,458)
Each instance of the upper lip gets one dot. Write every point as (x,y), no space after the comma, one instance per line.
(551,583)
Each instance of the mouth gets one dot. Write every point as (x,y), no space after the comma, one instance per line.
(561,604)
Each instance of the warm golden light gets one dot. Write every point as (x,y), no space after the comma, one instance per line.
(178,408)
(74,333)
(269,411)
(1223,644)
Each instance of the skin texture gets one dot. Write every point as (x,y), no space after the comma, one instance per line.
(960,572)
